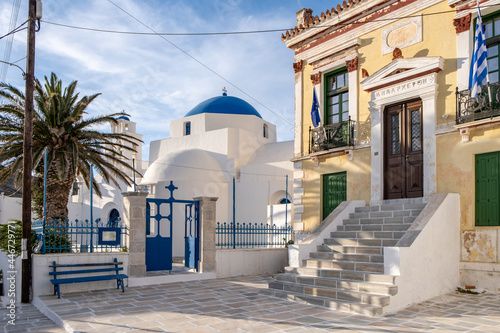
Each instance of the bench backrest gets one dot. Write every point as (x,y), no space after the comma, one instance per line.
(85,268)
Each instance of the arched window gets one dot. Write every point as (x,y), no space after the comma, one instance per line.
(114,216)
(76,188)
(265,131)
(187,128)
(284,201)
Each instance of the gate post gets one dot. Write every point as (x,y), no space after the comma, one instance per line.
(134,216)
(207,233)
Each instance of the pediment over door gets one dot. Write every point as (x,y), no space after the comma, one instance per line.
(400,70)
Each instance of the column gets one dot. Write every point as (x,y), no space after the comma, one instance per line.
(207,222)
(134,216)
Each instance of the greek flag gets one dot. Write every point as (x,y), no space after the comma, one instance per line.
(478,65)
(315,110)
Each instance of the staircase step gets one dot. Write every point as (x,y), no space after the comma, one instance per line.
(366,234)
(360,242)
(345,265)
(359,215)
(350,249)
(347,257)
(366,209)
(344,275)
(374,287)
(345,306)
(332,293)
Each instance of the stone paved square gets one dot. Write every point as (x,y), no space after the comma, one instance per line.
(235,305)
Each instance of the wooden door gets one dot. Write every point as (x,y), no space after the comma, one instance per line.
(403,153)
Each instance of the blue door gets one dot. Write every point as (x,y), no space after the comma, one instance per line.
(158,235)
(159,231)
(191,232)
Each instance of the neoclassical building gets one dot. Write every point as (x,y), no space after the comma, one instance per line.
(403,141)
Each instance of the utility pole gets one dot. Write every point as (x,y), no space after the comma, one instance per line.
(27,157)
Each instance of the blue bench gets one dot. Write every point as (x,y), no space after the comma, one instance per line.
(99,271)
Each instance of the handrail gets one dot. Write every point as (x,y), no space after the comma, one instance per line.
(485,105)
(331,136)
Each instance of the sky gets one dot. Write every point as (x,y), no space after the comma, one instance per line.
(157,79)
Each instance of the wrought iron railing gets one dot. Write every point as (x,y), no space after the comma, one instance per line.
(331,136)
(63,236)
(252,235)
(486,105)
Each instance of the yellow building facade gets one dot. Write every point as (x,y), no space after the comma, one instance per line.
(391,79)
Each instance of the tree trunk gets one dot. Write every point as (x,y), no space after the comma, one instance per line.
(58,191)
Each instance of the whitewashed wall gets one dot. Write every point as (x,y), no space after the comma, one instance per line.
(10,208)
(41,277)
(242,262)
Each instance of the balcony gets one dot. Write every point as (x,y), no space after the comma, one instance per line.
(471,109)
(328,137)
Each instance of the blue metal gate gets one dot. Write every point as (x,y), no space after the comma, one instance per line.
(159,240)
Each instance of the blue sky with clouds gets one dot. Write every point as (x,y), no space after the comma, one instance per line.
(150,78)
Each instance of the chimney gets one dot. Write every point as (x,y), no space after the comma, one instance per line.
(303,15)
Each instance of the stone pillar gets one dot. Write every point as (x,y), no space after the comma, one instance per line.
(207,233)
(134,216)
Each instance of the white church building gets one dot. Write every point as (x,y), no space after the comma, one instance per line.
(221,138)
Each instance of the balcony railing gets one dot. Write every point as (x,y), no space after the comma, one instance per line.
(331,136)
(472,109)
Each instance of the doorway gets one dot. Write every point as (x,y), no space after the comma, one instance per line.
(403,151)
(334,191)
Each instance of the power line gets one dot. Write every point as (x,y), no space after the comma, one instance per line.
(19,60)
(18,29)
(8,47)
(200,62)
(166,33)
(154,33)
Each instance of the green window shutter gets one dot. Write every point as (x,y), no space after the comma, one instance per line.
(334,191)
(487,189)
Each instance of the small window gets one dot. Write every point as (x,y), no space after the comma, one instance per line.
(265,131)
(187,128)
(114,217)
(75,188)
(285,201)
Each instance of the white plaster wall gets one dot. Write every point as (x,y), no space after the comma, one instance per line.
(276,215)
(10,208)
(197,125)
(213,141)
(429,267)
(252,124)
(480,275)
(9,272)
(79,205)
(242,262)
(41,278)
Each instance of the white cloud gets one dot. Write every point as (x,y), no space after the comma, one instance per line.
(151,79)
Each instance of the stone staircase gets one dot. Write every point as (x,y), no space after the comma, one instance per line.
(346,272)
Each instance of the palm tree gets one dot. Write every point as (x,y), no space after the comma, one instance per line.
(73,143)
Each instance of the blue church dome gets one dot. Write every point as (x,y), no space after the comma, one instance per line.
(124,117)
(224,105)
